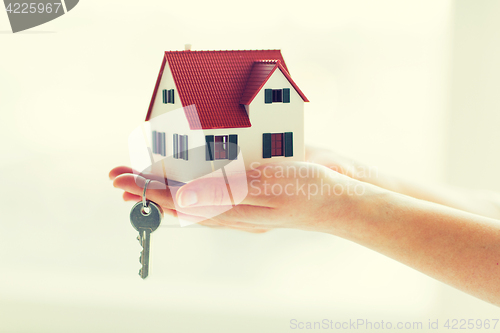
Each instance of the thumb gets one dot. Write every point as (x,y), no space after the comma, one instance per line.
(204,192)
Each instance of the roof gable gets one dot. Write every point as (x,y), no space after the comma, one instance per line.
(261,72)
(216,81)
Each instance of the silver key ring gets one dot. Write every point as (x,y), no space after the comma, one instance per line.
(144,203)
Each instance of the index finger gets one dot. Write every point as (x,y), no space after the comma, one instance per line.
(156,191)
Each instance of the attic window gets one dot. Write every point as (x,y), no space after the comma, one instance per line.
(168,96)
(277,95)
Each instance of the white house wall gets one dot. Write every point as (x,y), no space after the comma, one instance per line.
(275,118)
(166,82)
(175,122)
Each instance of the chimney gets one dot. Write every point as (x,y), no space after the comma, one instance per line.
(187,47)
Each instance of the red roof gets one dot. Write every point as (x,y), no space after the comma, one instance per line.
(218,83)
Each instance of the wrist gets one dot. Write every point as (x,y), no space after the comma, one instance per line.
(364,210)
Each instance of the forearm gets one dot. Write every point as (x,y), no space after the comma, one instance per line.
(474,201)
(457,248)
(481,202)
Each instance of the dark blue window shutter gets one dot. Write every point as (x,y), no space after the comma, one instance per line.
(164,96)
(153,143)
(268,95)
(171,96)
(266,145)
(158,142)
(288,144)
(186,147)
(209,148)
(176,145)
(233,147)
(163,146)
(160,135)
(181,147)
(286,95)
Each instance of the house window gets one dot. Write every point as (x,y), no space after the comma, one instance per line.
(168,96)
(277,144)
(221,147)
(180,146)
(158,141)
(277,95)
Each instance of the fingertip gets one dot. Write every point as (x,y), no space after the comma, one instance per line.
(122,180)
(119,170)
(113,173)
(186,198)
(127,196)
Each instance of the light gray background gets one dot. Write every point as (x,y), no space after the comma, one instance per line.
(408,86)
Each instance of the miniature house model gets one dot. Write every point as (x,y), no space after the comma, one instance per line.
(230,106)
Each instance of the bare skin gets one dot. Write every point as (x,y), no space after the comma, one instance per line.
(450,235)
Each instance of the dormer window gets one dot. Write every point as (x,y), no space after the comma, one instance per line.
(168,96)
(277,95)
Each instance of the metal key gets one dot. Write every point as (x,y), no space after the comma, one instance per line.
(145,217)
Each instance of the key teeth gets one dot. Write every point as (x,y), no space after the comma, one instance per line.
(145,225)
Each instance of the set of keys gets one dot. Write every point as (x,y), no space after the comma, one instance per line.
(145,217)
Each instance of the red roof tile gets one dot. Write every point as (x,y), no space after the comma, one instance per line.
(216,81)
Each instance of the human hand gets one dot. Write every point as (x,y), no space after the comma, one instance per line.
(351,168)
(282,195)
(336,162)
(132,182)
